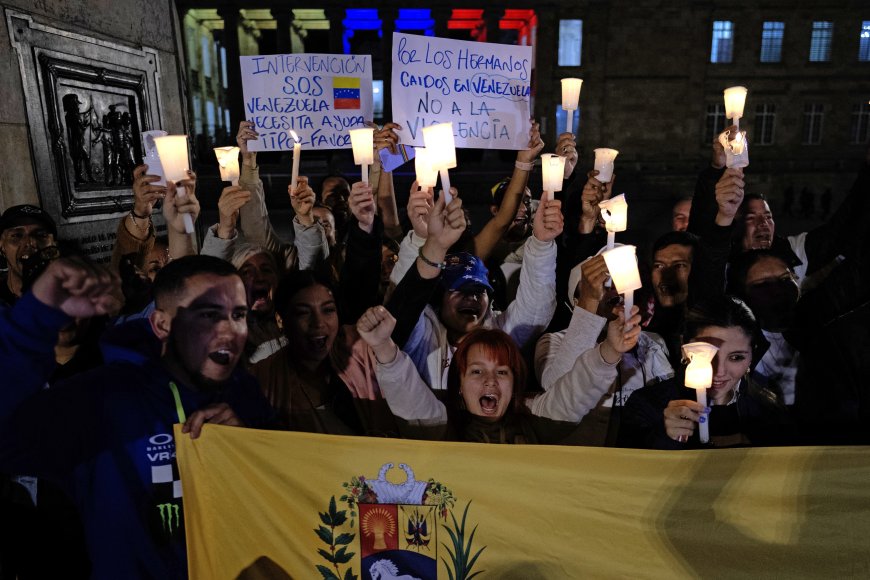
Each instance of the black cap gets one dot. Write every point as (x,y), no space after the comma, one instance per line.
(20,214)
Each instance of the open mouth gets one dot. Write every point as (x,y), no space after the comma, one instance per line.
(259,298)
(317,343)
(719,384)
(489,404)
(763,240)
(222,356)
(469,310)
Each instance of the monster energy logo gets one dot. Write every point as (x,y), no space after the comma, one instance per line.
(167,511)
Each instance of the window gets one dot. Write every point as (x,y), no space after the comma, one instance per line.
(820,43)
(861,123)
(864,44)
(813,114)
(765,117)
(224,66)
(209,118)
(771,41)
(715,122)
(723,41)
(570,42)
(197,111)
(378,99)
(206,56)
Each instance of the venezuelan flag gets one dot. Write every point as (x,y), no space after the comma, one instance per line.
(345,92)
(327,506)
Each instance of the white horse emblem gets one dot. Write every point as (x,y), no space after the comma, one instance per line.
(386,570)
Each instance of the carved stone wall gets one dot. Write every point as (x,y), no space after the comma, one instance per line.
(80,99)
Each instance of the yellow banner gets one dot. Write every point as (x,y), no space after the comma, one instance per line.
(266,504)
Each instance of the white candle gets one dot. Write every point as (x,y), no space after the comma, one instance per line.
(604,159)
(622,266)
(442,150)
(615,214)
(571,99)
(699,376)
(703,428)
(172,150)
(735,100)
(552,174)
(363,150)
(427,176)
(228,162)
(297,154)
(151,157)
(628,300)
(445,186)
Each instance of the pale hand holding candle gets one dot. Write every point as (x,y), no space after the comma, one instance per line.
(699,376)
(172,150)
(362,141)
(622,265)
(604,159)
(297,154)
(571,99)
(442,150)
(552,174)
(228,161)
(427,176)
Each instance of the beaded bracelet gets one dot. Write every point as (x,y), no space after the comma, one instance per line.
(428,262)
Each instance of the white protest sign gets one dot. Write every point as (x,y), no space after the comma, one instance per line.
(482,88)
(320,96)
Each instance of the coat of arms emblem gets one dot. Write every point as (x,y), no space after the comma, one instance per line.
(394,529)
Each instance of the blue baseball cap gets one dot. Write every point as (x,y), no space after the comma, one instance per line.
(464,269)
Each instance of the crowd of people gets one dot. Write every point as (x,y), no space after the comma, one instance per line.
(366,324)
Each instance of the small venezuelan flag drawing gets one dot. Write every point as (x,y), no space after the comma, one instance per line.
(345,92)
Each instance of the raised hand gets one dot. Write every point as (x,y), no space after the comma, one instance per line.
(386,137)
(145,193)
(566,146)
(681,416)
(618,340)
(246,133)
(535,146)
(375,327)
(78,288)
(593,193)
(362,205)
(593,275)
(231,201)
(446,223)
(419,206)
(302,199)
(179,202)
(729,195)
(549,221)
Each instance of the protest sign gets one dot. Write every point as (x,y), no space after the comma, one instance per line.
(320,96)
(482,88)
